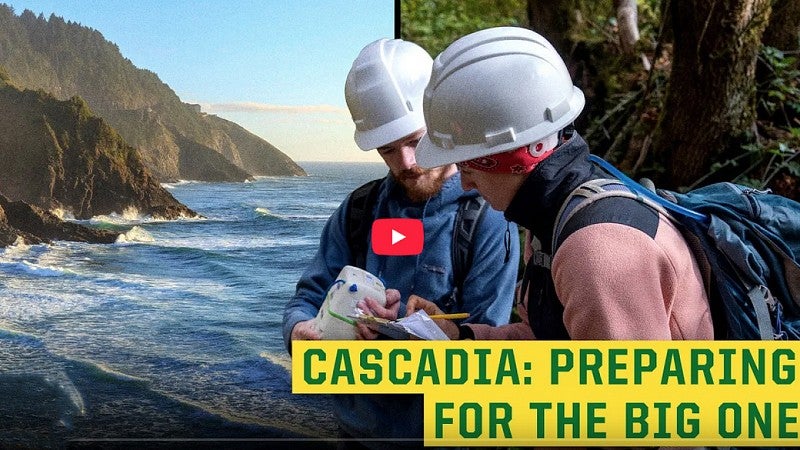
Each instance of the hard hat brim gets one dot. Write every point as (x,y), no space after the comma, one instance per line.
(429,154)
(390,132)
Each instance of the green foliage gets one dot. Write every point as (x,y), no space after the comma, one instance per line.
(436,24)
(625,101)
(780,92)
(760,163)
(595,22)
(778,100)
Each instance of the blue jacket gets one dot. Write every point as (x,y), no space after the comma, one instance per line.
(488,289)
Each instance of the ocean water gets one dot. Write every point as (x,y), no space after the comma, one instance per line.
(174,332)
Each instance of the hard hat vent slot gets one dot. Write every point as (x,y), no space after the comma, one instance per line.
(444,140)
(554,113)
(501,137)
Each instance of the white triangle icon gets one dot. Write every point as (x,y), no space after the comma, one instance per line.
(397,237)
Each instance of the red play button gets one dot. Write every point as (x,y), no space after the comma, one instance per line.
(397,237)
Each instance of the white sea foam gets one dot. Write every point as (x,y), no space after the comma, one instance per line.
(17,249)
(108,371)
(62,214)
(233,243)
(265,212)
(307,216)
(65,384)
(282,360)
(135,234)
(132,216)
(178,183)
(29,268)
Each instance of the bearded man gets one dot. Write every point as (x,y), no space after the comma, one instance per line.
(384,91)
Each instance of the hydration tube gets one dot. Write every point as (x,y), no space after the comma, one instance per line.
(644,192)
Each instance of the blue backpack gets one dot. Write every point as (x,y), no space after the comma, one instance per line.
(746,240)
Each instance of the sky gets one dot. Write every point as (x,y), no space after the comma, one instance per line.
(275,67)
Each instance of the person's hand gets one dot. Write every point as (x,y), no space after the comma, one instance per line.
(372,307)
(363,332)
(306,330)
(388,311)
(416,303)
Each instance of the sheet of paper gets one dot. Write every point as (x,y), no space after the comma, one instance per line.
(423,327)
(418,325)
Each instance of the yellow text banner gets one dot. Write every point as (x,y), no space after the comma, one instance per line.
(639,393)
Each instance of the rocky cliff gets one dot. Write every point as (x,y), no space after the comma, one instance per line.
(67,59)
(58,154)
(19,220)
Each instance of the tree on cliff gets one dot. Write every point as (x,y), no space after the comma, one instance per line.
(67,59)
(59,155)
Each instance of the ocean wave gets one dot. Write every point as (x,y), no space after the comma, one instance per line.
(265,212)
(135,234)
(29,268)
(62,214)
(63,382)
(107,372)
(282,360)
(28,356)
(131,216)
(8,331)
(17,249)
(179,183)
(253,391)
(318,217)
(236,242)
(268,177)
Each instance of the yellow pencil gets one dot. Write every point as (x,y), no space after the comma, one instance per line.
(452,316)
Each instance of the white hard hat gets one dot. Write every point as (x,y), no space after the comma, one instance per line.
(492,91)
(384,91)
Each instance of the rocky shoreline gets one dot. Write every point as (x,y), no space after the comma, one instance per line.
(21,220)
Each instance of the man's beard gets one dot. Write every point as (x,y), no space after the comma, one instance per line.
(420,189)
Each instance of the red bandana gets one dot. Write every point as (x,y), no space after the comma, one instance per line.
(514,161)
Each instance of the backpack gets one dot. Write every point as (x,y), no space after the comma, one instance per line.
(359,218)
(746,240)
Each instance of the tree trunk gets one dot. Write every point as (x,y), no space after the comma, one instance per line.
(628,24)
(711,95)
(783,31)
(555,21)
(552,20)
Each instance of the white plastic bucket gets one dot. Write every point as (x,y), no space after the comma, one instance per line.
(351,286)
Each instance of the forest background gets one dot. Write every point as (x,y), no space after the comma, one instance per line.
(684,92)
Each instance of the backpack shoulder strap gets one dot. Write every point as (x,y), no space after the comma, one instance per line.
(469,214)
(583,196)
(619,186)
(359,218)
